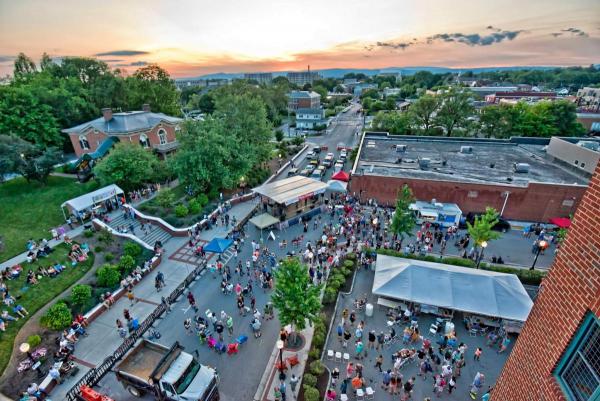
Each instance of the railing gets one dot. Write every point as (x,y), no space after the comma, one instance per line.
(165,147)
(92,377)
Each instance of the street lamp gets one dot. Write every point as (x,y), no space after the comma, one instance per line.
(484,245)
(541,246)
(280,346)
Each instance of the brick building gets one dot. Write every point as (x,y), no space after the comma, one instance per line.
(557,355)
(303,100)
(473,173)
(151,130)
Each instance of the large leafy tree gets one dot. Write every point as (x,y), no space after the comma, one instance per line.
(494,122)
(129,166)
(423,111)
(33,162)
(24,67)
(394,122)
(153,85)
(404,219)
(297,300)
(454,110)
(481,230)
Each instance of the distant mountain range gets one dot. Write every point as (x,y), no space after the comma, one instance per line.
(340,72)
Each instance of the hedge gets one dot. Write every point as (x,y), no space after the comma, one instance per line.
(526,276)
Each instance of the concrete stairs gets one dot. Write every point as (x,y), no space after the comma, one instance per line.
(154,232)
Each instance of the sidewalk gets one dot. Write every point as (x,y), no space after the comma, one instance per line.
(103,338)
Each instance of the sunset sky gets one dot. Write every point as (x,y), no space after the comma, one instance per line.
(191,38)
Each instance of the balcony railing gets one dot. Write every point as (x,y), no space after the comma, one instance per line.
(166,147)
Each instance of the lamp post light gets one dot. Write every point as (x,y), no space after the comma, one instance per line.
(541,246)
(483,245)
(280,346)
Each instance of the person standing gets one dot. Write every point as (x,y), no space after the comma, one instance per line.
(477,383)
(293,383)
(359,349)
(219,329)
(229,323)
(451,384)
(477,354)
(379,362)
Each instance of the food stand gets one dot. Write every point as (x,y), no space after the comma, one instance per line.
(291,196)
(99,201)
(445,214)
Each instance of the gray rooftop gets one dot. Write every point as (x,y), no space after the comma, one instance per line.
(379,156)
(310,111)
(124,123)
(303,94)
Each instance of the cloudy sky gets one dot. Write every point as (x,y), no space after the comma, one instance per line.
(190,37)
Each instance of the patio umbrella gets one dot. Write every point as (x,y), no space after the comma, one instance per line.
(218,245)
(341,176)
(337,186)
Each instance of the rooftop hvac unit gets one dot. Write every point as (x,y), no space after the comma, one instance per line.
(424,162)
(400,148)
(521,167)
(466,149)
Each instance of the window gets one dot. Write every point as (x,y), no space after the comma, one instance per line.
(144,141)
(578,372)
(162,136)
(83,142)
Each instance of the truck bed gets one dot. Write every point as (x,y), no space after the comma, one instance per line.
(142,361)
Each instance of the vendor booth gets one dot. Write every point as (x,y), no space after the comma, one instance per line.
(485,297)
(100,201)
(291,196)
(445,214)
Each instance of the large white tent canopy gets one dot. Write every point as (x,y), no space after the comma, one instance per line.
(291,190)
(264,220)
(90,199)
(460,288)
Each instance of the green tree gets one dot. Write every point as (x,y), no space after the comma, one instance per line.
(295,297)
(454,110)
(132,249)
(108,276)
(403,221)
(393,122)
(57,317)
(129,166)
(81,294)
(423,112)
(279,135)
(205,103)
(126,264)
(34,163)
(24,67)
(165,198)
(494,121)
(153,85)
(481,231)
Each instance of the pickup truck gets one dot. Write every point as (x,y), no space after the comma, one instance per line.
(170,374)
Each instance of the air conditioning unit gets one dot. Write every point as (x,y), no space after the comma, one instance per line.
(400,148)
(466,149)
(521,167)
(424,162)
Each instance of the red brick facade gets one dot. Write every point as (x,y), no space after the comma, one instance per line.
(571,289)
(95,138)
(537,202)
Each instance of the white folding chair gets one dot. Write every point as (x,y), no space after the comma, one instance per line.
(346,357)
(343,397)
(338,356)
(433,329)
(330,354)
(360,394)
(370,393)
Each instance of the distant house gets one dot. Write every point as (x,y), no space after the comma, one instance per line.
(391,92)
(150,130)
(304,100)
(260,77)
(358,89)
(309,118)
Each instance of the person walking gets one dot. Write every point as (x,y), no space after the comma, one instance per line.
(359,349)
(477,384)
(130,296)
(219,329)
(477,355)
(379,362)
(192,301)
(451,384)
(293,383)
(187,325)
(229,324)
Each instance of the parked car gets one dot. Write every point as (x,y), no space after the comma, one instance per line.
(314,162)
(311,155)
(305,172)
(316,149)
(293,171)
(311,168)
(502,224)
(343,154)
(318,172)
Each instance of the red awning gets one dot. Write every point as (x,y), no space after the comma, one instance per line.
(562,222)
(341,176)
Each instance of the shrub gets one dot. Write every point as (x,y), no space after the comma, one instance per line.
(213,194)
(132,249)
(81,294)
(194,206)
(346,272)
(165,198)
(309,380)
(333,285)
(109,257)
(314,353)
(34,340)
(181,210)
(98,249)
(316,368)
(202,199)
(318,339)
(174,221)
(351,256)
(108,276)
(329,295)
(57,317)
(126,264)
(348,264)
(105,236)
(311,394)
(88,233)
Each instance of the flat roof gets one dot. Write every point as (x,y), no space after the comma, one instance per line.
(379,157)
(291,190)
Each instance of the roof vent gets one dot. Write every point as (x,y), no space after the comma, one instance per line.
(521,167)
(424,162)
(400,148)
(466,149)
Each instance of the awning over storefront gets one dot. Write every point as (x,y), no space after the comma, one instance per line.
(561,222)
(460,288)
(88,200)
(291,190)
(264,220)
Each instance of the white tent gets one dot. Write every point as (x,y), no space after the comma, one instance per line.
(90,199)
(460,288)
(264,220)
(337,186)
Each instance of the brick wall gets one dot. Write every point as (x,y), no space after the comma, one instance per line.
(537,202)
(571,288)
(93,138)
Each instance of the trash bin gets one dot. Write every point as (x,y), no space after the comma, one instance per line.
(369,310)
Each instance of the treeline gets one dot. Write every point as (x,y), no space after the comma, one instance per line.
(43,99)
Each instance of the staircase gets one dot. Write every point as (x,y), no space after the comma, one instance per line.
(155,233)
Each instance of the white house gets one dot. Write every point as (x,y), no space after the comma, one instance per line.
(309,118)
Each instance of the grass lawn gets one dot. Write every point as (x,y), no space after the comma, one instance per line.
(35,297)
(31,210)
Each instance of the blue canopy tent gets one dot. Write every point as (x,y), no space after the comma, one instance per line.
(218,245)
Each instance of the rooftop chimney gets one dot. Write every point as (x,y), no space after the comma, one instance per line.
(107,114)
(146,107)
